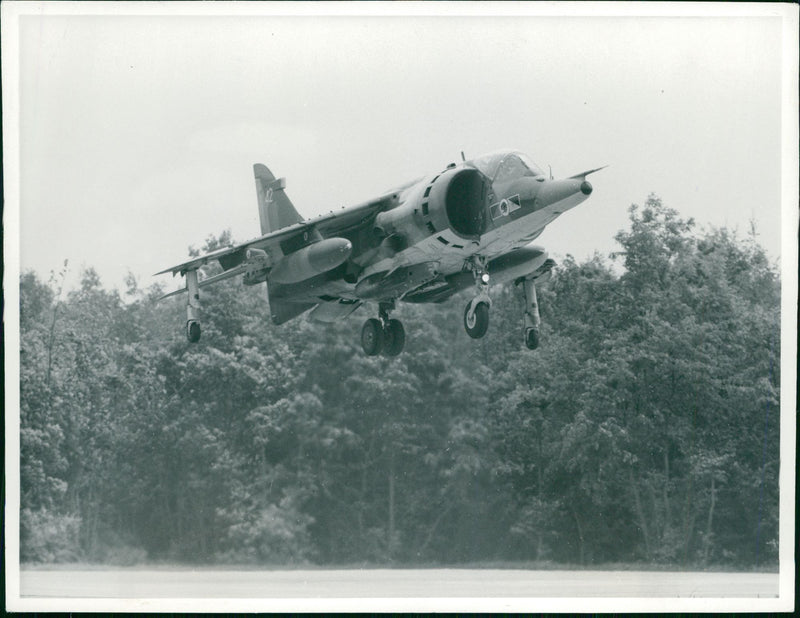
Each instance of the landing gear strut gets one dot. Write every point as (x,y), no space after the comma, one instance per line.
(192,307)
(476,314)
(531,317)
(383,335)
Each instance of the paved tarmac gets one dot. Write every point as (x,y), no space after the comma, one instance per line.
(172,583)
(396,584)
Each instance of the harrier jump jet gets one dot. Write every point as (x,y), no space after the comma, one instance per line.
(420,243)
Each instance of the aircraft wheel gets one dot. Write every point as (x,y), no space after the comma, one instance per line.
(479,324)
(193,331)
(372,337)
(532,338)
(394,338)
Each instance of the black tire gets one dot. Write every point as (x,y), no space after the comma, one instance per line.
(372,337)
(394,338)
(193,331)
(480,324)
(532,338)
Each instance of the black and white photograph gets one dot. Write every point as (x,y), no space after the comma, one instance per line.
(414,306)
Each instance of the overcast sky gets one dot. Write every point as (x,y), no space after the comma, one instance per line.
(137,134)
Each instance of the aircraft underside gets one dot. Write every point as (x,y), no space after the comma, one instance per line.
(330,298)
(387,336)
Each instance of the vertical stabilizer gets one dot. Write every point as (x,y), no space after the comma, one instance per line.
(275,209)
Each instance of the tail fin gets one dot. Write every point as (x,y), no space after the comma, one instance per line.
(275,209)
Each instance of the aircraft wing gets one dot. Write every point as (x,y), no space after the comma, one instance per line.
(336,223)
(587,172)
(229,255)
(327,225)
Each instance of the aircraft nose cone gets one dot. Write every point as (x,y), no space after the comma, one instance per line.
(586,187)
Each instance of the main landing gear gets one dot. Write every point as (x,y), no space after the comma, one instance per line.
(383,335)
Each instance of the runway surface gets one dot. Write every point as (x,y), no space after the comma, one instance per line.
(396,584)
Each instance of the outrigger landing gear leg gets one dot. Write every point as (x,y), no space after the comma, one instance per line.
(383,335)
(532,319)
(476,314)
(192,307)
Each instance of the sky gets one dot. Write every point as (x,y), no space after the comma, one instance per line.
(137,133)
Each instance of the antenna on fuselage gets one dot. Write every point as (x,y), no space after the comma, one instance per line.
(550,167)
(463,158)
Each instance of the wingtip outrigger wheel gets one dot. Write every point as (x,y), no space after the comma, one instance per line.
(532,319)
(192,307)
(532,338)
(193,331)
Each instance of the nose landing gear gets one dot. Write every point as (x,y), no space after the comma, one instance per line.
(383,335)
(476,319)
(476,314)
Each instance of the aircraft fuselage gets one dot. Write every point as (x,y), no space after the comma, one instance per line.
(441,222)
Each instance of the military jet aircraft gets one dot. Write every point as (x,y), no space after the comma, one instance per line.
(423,242)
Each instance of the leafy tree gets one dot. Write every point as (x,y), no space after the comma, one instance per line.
(645,427)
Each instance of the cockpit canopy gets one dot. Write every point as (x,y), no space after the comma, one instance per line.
(506,166)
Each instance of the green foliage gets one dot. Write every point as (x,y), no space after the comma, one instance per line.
(645,427)
(46,536)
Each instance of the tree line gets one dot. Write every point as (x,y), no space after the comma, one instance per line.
(645,429)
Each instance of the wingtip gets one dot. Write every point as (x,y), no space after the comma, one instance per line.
(164,272)
(587,172)
(171,294)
